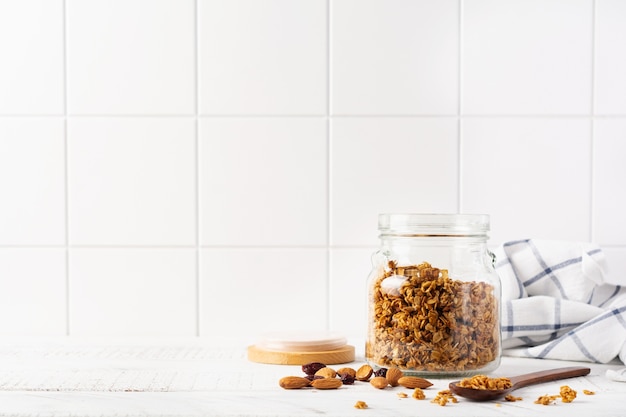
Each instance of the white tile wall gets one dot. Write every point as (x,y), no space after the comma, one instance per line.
(398,57)
(529,57)
(138,292)
(262,57)
(31,41)
(263,182)
(32,180)
(130,57)
(201,167)
(131,181)
(523,171)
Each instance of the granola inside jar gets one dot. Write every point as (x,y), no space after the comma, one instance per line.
(434,296)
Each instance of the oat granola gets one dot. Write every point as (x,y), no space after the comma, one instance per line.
(423,320)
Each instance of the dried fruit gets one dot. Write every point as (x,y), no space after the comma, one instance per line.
(312,368)
(379,382)
(364,373)
(347,379)
(326,383)
(293,382)
(393,375)
(326,372)
(414,382)
(381,372)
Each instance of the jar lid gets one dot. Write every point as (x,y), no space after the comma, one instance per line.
(433,224)
(301,341)
(299,348)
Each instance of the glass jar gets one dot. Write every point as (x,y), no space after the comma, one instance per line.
(434,296)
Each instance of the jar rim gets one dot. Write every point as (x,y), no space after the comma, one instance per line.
(433,224)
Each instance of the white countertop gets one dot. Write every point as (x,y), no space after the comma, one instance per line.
(198,378)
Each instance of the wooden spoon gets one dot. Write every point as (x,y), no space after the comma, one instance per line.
(518,382)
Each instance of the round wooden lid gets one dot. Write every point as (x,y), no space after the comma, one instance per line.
(299,348)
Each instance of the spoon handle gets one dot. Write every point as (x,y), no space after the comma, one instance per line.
(520,381)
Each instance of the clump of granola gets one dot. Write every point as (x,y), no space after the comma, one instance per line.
(512,398)
(546,399)
(443,397)
(567,394)
(418,394)
(423,320)
(360,404)
(484,382)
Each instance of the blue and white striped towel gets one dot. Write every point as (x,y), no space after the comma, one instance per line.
(557,303)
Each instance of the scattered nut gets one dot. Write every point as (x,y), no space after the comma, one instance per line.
(346,371)
(512,398)
(293,382)
(379,382)
(393,375)
(402,394)
(364,373)
(414,382)
(326,383)
(587,392)
(326,372)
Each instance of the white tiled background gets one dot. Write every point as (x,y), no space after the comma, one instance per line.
(216,167)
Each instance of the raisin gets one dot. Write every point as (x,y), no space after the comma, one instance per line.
(347,379)
(312,368)
(381,372)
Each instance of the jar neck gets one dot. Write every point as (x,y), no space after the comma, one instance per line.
(433,240)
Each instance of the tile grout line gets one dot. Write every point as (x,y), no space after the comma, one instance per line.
(66,174)
(328,163)
(197,168)
(594,6)
(460,112)
(321,116)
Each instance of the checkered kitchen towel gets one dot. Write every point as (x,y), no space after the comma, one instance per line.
(557,303)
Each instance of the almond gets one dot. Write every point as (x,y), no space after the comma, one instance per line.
(293,382)
(393,375)
(379,382)
(326,373)
(414,382)
(346,371)
(326,383)
(364,373)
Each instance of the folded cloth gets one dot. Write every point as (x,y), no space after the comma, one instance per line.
(556,303)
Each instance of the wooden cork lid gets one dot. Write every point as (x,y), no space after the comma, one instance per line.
(299,348)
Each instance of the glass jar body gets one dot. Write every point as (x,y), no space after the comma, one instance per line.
(434,301)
